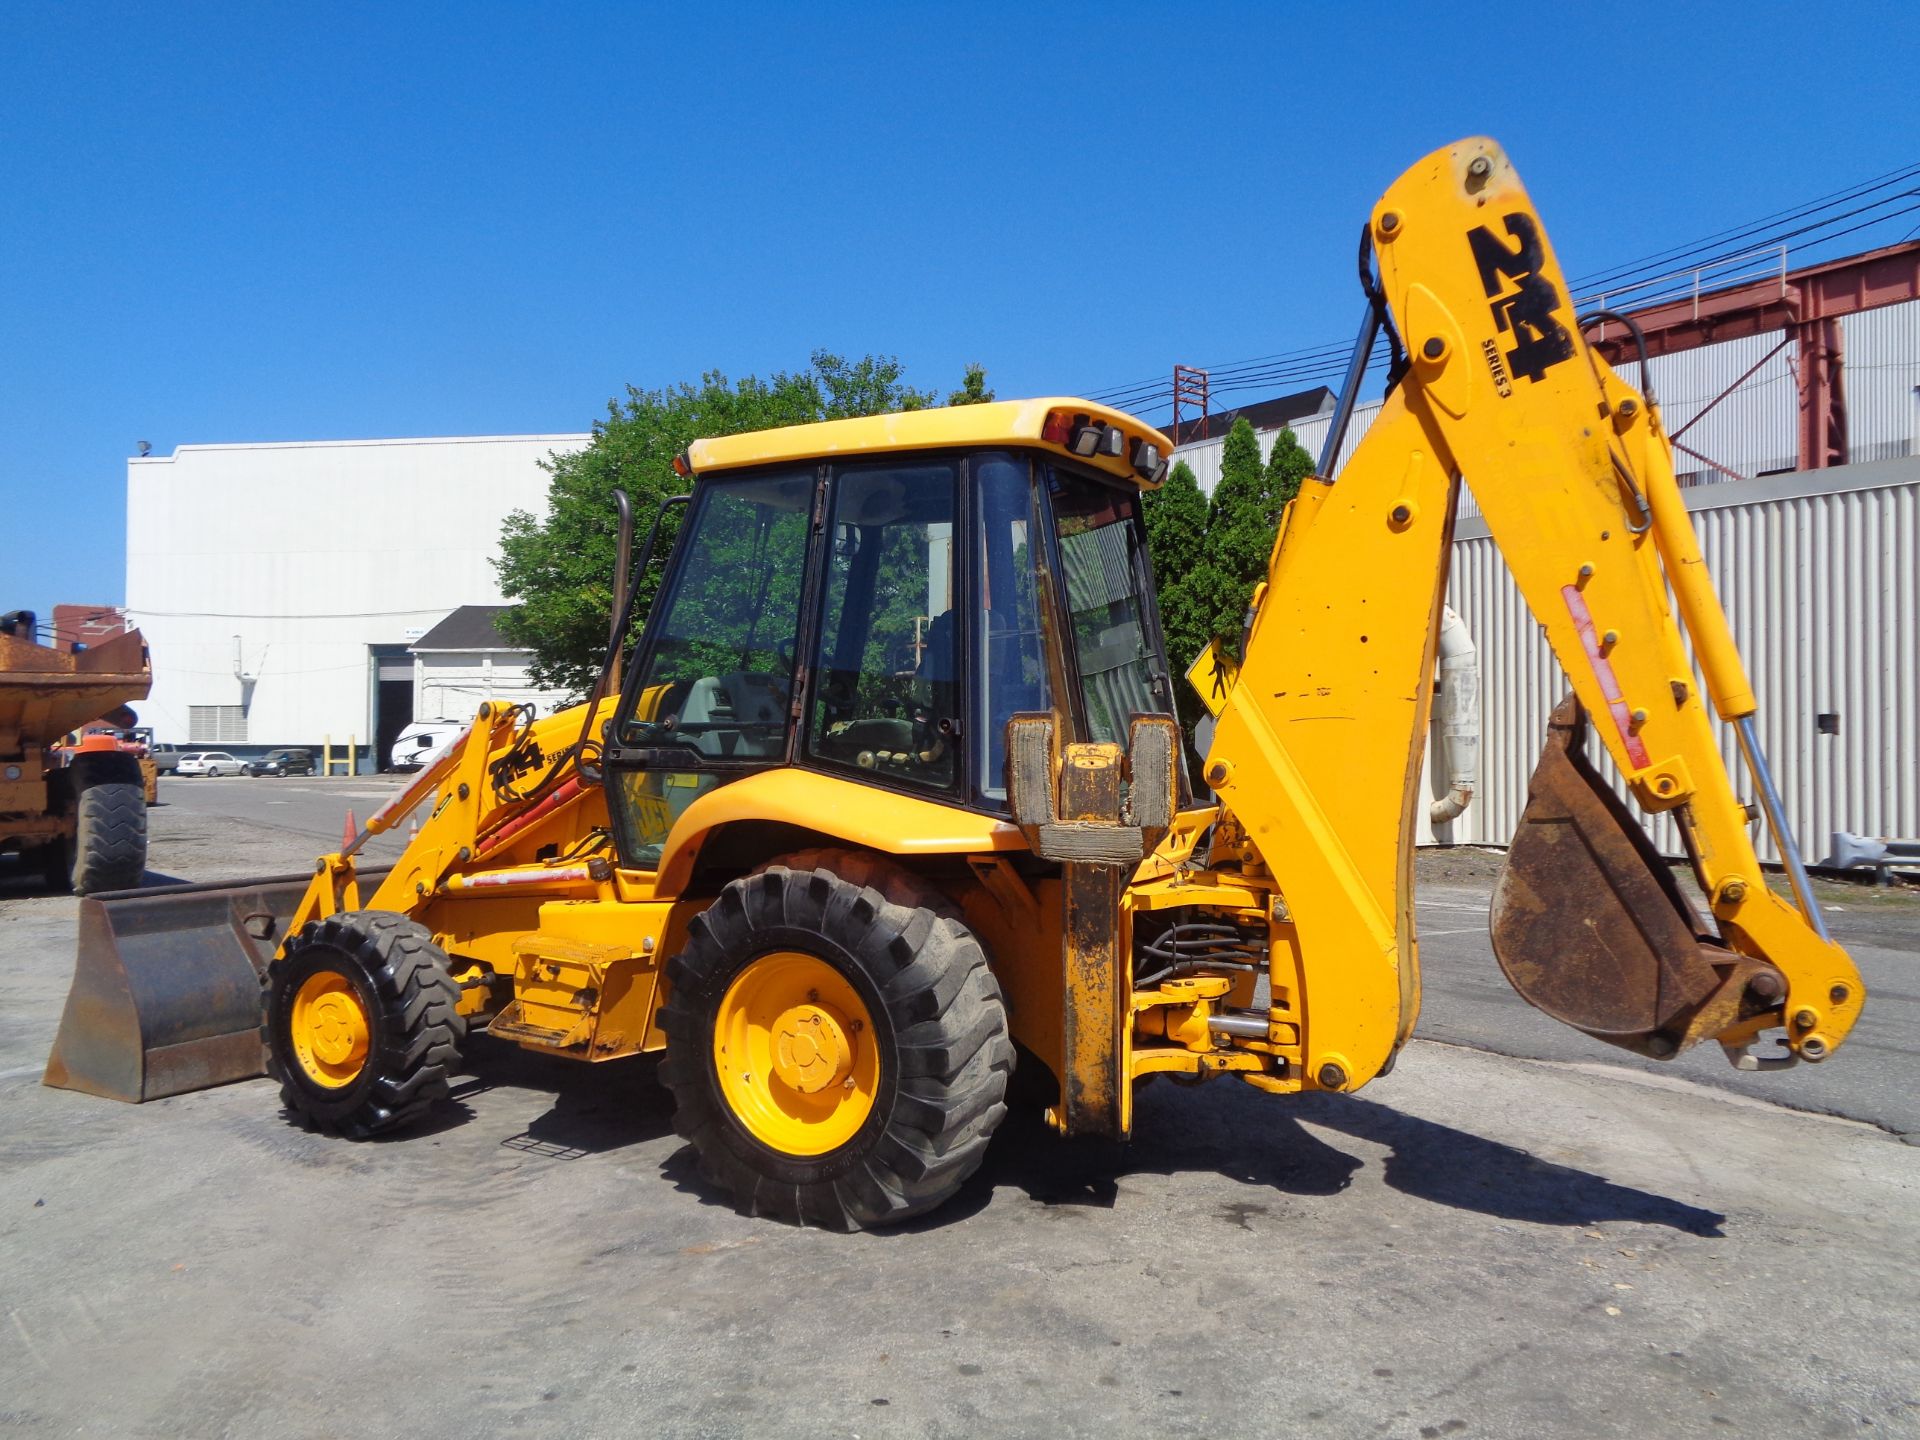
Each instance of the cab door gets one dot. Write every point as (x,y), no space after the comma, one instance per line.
(711,695)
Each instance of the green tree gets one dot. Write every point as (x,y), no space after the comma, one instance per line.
(1239,539)
(1176,521)
(1288,466)
(559,567)
(973,388)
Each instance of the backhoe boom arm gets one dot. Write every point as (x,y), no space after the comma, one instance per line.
(1317,756)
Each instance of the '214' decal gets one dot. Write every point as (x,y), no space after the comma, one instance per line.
(1527,313)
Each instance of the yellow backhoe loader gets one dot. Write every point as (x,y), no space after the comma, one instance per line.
(888,791)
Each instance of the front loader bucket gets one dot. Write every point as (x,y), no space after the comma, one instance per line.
(1591,927)
(166,988)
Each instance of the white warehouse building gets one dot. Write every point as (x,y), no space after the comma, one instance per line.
(281,587)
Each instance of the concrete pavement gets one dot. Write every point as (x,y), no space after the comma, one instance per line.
(1477,1245)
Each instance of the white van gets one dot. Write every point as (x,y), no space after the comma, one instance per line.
(423,742)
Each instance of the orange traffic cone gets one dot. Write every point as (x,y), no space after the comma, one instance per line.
(346,837)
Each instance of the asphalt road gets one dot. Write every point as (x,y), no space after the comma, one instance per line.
(1875,1077)
(307,806)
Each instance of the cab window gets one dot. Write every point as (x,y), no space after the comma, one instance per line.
(1009,647)
(886,699)
(1103,570)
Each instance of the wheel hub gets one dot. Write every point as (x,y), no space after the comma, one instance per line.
(339,1029)
(794,1052)
(810,1049)
(329,1029)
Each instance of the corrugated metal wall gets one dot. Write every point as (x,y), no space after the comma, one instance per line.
(1820,576)
(1753,430)
(1882,378)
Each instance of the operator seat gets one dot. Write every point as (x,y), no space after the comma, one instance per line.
(739,715)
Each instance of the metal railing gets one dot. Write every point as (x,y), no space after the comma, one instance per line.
(1727,273)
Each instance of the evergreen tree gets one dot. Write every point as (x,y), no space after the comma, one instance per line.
(1176,520)
(1287,467)
(1239,538)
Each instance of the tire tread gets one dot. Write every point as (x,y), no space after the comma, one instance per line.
(110,837)
(954,1054)
(419,1029)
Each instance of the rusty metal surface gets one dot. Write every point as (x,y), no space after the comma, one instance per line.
(1153,775)
(46,692)
(166,987)
(1098,988)
(1589,924)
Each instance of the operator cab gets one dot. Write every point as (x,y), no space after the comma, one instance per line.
(877,608)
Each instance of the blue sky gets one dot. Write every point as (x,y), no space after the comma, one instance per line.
(269,223)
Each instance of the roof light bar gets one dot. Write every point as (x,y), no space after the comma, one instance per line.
(1148,463)
(1091,438)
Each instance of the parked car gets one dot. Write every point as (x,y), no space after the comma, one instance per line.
(166,758)
(210,762)
(282,762)
(423,742)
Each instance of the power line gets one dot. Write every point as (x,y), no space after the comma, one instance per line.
(1778,239)
(1324,363)
(1681,252)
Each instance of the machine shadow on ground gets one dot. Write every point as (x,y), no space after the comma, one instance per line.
(1266,1146)
(596,1109)
(20,881)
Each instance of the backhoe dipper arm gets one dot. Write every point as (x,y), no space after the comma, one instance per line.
(1317,756)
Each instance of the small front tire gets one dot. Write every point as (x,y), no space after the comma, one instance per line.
(362,1025)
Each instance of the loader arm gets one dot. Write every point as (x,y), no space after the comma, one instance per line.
(1317,754)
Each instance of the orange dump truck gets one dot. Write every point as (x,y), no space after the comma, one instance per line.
(78,813)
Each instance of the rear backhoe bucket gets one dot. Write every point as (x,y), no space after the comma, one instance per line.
(1591,927)
(166,988)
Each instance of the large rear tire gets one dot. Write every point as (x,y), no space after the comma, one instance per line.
(110,824)
(838,1056)
(362,1025)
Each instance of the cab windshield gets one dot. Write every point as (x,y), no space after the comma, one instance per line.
(883,620)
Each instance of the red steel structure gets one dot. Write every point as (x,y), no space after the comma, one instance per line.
(1190,384)
(1804,307)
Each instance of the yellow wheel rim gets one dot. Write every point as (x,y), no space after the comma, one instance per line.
(793,1046)
(329,1029)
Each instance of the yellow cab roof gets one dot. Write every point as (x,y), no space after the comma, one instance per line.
(1000,422)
